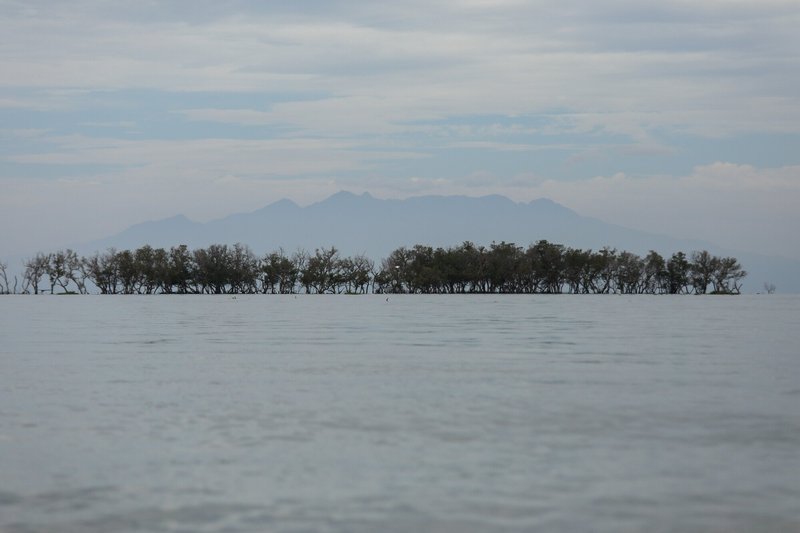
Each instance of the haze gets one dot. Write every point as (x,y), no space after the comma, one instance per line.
(679,117)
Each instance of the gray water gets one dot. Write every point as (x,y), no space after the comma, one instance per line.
(443,413)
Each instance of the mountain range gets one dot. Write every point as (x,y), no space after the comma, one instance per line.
(358,224)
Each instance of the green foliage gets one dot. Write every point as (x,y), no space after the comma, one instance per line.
(542,267)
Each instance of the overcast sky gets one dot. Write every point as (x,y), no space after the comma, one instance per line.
(681,117)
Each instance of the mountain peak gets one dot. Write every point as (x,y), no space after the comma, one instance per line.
(548,205)
(283,203)
(347,196)
(170,221)
(544,202)
(359,223)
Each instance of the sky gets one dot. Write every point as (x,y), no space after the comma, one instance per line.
(677,117)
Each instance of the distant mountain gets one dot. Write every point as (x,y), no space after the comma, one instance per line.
(375,227)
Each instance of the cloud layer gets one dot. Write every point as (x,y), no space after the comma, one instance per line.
(111,113)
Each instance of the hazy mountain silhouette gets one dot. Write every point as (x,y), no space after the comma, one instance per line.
(364,224)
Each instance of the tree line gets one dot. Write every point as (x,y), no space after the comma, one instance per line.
(541,268)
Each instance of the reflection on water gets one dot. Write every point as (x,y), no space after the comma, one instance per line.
(445,413)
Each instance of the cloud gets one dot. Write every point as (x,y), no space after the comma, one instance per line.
(507,147)
(186,159)
(738,206)
(711,68)
(248,117)
(441,96)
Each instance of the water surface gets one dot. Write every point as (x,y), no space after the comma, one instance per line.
(442,413)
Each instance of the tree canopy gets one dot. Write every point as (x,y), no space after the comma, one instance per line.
(541,268)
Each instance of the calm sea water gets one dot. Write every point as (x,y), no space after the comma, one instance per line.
(444,413)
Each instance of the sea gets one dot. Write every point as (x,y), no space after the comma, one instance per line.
(407,413)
